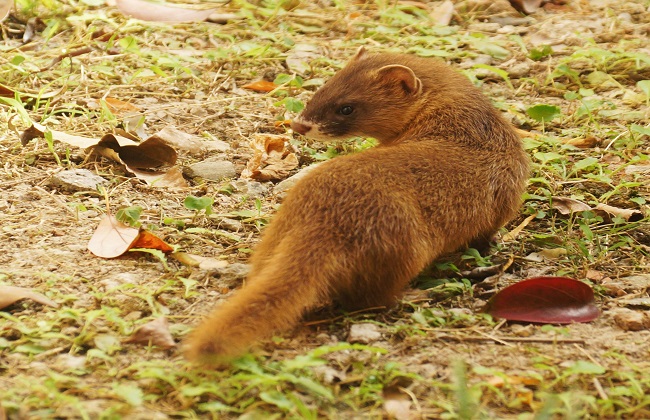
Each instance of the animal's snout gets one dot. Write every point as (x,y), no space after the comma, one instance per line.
(300,127)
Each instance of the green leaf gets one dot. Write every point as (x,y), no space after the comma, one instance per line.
(538,54)
(636,128)
(278,399)
(543,113)
(129,215)
(130,393)
(644,85)
(585,163)
(199,203)
(587,368)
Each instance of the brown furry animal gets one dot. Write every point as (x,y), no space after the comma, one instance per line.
(449,171)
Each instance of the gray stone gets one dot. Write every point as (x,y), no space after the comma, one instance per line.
(252,189)
(214,170)
(77,180)
(364,333)
(288,183)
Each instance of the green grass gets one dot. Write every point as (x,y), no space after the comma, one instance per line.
(439,352)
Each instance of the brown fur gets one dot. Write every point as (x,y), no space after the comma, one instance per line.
(449,170)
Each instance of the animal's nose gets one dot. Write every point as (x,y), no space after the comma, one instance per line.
(299,127)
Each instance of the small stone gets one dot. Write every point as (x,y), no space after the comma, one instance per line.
(216,146)
(230,224)
(214,170)
(364,333)
(284,186)
(252,189)
(77,180)
(630,320)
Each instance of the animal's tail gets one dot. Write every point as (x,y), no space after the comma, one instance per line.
(274,298)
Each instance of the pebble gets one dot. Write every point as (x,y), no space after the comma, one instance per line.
(252,189)
(214,170)
(287,184)
(630,320)
(364,333)
(77,180)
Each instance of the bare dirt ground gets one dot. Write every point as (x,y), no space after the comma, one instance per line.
(436,355)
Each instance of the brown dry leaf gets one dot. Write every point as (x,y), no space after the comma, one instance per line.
(156,12)
(567,205)
(584,143)
(112,238)
(151,153)
(11,294)
(398,404)
(148,240)
(526,6)
(117,106)
(261,86)
(271,160)
(512,235)
(626,214)
(173,177)
(181,140)
(442,13)
(155,332)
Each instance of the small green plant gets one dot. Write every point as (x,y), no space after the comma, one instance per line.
(130,215)
(199,204)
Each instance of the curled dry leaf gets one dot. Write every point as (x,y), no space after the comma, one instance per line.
(156,12)
(155,333)
(299,58)
(261,86)
(11,294)
(567,205)
(584,142)
(555,300)
(514,233)
(625,214)
(526,6)
(170,178)
(148,240)
(112,238)
(271,160)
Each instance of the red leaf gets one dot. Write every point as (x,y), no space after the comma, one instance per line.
(148,240)
(554,300)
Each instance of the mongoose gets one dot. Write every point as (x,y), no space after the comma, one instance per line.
(448,171)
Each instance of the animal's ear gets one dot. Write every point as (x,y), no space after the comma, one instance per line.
(361,54)
(401,74)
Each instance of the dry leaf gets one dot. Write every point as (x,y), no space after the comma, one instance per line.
(112,238)
(512,235)
(117,106)
(148,240)
(181,140)
(204,263)
(11,294)
(173,177)
(584,143)
(301,55)
(261,86)
(155,333)
(626,214)
(397,404)
(567,205)
(271,160)
(553,253)
(442,13)
(38,130)
(5,8)
(156,12)
(526,6)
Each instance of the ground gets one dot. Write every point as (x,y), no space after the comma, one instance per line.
(72,66)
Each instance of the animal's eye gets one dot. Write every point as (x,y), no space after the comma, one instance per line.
(346,110)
